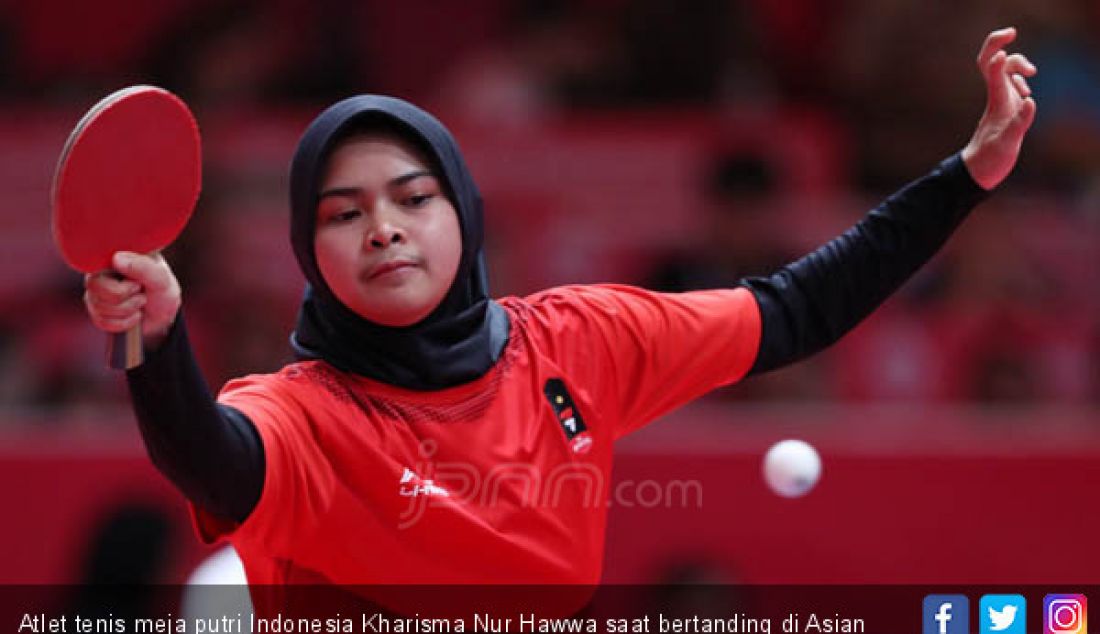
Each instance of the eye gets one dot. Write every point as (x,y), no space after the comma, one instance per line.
(345,216)
(418,200)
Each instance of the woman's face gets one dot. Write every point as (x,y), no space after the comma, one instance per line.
(388,241)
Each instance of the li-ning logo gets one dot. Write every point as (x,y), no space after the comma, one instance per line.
(569,417)
(412,485)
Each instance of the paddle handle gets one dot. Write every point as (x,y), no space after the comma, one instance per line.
(124,349)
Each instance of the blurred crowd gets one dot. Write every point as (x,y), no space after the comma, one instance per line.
(791,119)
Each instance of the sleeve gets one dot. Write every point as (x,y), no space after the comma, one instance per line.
(811,303)
(644,353)
(298,480)
(211,453)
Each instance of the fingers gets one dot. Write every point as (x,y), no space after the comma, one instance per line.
(116,310)
(107,288)
(993,60)
(1018,67)
(995,79)
(147,293)
(113,305)
(111,298)
(147,270)
(117,325)
(1004,74)
(994,42)
(1018,64)
(1021,86)
(1023,119)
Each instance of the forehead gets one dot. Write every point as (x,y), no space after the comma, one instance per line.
(377,150)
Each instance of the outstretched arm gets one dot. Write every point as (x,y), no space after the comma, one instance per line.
(211,452)
(809,304)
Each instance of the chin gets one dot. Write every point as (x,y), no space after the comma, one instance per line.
(396,316)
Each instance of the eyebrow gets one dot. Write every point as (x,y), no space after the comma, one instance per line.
(353,191)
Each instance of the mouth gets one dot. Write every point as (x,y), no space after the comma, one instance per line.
(387,267)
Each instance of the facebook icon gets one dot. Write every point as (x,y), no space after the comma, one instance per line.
(946,614)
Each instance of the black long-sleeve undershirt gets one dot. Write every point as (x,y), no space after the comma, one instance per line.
(214,454)
(809,304)
(210,451)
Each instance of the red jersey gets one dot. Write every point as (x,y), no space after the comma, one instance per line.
(499,481)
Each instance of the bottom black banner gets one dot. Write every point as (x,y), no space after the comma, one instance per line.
(640,609)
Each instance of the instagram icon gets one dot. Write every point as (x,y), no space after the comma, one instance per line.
(1065,614)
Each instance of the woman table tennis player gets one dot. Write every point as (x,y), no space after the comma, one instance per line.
(407,369)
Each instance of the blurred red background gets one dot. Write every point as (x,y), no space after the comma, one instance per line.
(644,142)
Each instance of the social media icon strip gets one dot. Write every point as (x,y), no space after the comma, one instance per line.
(1002,613)
(946,614)
(1065,614)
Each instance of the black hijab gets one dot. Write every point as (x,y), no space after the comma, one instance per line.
(465,335)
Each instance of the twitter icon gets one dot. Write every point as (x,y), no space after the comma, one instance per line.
(1002,613)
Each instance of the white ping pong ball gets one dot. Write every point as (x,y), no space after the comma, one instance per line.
(792,468)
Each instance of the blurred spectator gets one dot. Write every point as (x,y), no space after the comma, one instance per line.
(739,238)
(7,46)
(742,236)
(1065,144)
(894,356)
(15,380)
(1004,315)
(792,39)
(255,339)
(550,57)
(227,55)
(675,56)
(697,588)
(988,262)
(1013,354)
(68,50)
(130,545)
(127,558)
(905,77)
(1093,372)
(990,320)
(58,361)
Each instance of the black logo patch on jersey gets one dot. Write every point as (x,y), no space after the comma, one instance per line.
(569,417)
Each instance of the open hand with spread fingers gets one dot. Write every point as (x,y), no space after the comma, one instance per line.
(1009,111)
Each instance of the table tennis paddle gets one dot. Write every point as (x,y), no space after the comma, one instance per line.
(127,180)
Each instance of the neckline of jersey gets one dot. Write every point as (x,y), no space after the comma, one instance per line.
(447,396)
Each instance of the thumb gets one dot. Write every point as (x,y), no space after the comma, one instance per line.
(143,269)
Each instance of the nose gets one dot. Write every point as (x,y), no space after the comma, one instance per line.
(384,231)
